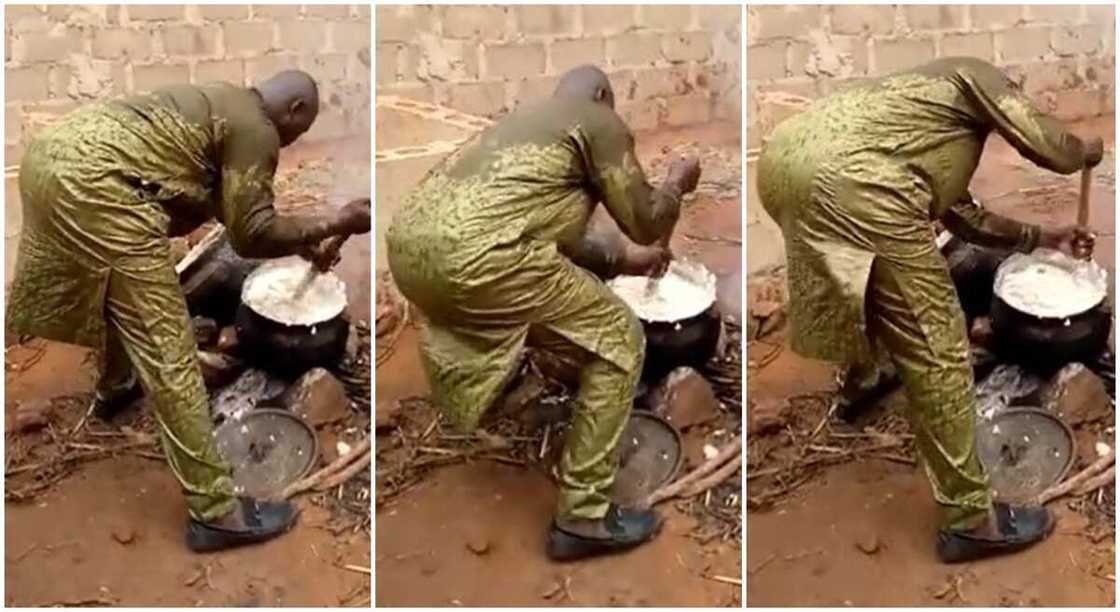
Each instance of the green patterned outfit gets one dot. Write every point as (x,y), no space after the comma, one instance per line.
(854,183)
(102,191)
(486,246)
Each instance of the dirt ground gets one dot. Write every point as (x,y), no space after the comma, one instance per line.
(810,548)
(429,536)
(112,532)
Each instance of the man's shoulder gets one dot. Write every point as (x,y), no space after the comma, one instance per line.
(239,108)
(209,90)
(230,97)
(562,113)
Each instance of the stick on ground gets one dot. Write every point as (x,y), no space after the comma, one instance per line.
(1100,480)
(346,474)
(1075,481)
(732,450)
(312,481)
(720,475)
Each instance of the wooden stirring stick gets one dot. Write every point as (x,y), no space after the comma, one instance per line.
(651,284)
(1083,205)
(330,248)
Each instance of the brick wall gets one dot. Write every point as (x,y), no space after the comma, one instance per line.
(1062,55)
(58,57)
(669,65)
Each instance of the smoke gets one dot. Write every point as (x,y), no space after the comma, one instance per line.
(350,178)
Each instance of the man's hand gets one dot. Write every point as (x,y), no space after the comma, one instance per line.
(684,173)
(1075,240)
(646,261)
(320,256)
(1094,151)
(355,217)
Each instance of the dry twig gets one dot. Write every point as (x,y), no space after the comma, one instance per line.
(1077,480)
(312,481)
(695,477)
(346,474)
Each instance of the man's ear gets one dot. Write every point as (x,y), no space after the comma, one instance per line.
(295,107)
(600,94)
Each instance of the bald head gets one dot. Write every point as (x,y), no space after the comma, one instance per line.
(291,100)
(586,83)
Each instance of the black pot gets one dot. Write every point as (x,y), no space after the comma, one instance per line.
(290,350)
(212,285)
(973,270)
(1046,344)
(688,342)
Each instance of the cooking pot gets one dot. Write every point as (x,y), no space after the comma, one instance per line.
(287,347)
(690,337)
(1046,343)
(213,277)
(973,270)
(688,342)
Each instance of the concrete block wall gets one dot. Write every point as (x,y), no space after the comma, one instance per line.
(58,57)
(670,65)
(1062,55)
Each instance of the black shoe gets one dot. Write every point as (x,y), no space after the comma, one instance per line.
(264,520)
(850,411)
(620,529)
(1018,527)
(107,406)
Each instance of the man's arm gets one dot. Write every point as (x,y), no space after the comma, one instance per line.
(600,249)
(255,229)
(604,251)
(971,223)
(1039,138)
(643,213)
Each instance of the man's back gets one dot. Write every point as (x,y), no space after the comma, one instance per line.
(526,177)
(933,120)
(178,142)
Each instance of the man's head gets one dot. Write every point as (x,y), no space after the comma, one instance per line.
(586,83)
(291,100)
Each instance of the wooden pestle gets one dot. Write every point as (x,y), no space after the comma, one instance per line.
(1083,205)
(330,249)
(651,284)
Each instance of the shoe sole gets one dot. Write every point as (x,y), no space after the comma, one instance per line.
(562,546)
(980,551)
(202,539)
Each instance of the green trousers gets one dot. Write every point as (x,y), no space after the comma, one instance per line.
(929,349)
(149,336)
(472,340)
(590,457)
(94,269)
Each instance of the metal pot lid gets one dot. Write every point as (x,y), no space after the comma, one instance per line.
(1025,451)
(268,449)
(687,289)
(1050,284)
(650,456)
(271,291)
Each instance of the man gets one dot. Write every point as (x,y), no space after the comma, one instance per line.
(102,191)
(490,246)
(854,182)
